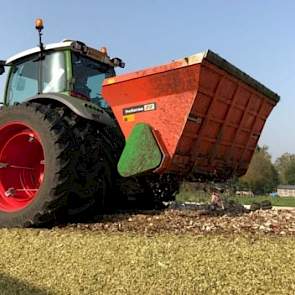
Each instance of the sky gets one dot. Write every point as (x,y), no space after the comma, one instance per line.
(257,36)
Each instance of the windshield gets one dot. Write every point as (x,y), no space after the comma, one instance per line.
(23,82)
(88,77)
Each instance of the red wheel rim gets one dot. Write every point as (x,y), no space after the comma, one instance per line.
(21,166)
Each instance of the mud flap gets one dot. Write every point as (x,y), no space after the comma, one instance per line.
(141,152)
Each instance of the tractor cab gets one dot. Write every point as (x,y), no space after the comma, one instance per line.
(69,67)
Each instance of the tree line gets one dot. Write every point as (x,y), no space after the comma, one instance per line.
(263,176)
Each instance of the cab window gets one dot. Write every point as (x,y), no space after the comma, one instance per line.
(24,77)
(88,78)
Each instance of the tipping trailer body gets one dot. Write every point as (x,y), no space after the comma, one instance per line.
(205,114)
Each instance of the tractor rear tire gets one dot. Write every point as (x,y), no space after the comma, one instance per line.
(92,185)
(46,158)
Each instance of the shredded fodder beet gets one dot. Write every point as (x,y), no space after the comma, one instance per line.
(195,221)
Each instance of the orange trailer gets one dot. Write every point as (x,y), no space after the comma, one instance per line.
(205,114)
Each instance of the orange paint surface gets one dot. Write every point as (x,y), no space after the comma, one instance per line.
(206,119)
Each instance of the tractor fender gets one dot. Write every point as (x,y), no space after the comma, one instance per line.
(84,109)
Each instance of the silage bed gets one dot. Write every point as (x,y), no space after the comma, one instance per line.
(66,262)
(276,222)
(154,252)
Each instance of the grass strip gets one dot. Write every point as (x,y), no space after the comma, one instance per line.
(190,196)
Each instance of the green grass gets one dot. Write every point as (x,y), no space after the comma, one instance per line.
(75,262)
(193,196)
(277,201)
(200,196)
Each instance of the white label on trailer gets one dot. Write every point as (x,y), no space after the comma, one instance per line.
(140,108)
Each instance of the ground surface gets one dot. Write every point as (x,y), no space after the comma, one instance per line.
(194,222)
(170,252)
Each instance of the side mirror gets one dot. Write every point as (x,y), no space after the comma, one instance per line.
(118,62)
(2,68)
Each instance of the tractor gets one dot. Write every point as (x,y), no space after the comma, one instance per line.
(75,138)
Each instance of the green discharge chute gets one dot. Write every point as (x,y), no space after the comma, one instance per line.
(141,152)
